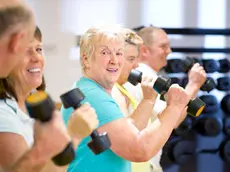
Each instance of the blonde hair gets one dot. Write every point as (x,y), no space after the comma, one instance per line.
(98,34)
(132,38)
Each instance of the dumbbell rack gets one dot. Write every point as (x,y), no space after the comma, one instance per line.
(199,162)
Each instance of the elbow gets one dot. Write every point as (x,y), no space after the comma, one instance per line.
(141,157)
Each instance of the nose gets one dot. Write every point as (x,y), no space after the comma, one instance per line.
(35,56)
(168,51)
(113,59)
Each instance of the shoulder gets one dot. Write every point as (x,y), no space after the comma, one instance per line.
(9,121)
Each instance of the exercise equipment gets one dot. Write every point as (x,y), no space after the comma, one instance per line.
(223,83)
(184,128)
(211,102)
(99,142)
(174,66)
(226,128)
(41,107)
(210,65)
(225,103)
(161,85)
(224,66)
(208,126)
(209,84)
(181,151)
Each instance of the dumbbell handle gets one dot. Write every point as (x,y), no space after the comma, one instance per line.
(94,134)
(42,111)
(209,83)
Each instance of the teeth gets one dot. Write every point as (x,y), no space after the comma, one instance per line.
(112,70)
(34,70)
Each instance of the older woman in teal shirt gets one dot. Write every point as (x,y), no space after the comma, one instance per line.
(102,59)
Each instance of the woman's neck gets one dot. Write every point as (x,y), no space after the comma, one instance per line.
(107,88)
(22,95)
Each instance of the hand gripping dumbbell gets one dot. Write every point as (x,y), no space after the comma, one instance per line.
(209,84)
(41,107)
(100,142)
(161,86)
(208,126)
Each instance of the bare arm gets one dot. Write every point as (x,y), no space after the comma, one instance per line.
(197,77)
(144,111)
(135,145)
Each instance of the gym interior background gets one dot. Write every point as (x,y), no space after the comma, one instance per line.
(63,21)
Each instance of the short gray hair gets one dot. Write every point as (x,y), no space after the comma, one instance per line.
(13,16)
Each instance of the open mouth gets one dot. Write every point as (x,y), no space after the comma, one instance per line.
(34,70)
(112,70)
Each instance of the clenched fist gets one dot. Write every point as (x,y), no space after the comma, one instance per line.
(147,88)
(177,97)
(197,75)
(82,121)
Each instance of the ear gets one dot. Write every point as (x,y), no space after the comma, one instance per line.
(16,42)
(85,60)
(144,50)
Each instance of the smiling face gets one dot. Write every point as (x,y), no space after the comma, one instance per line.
(131,62)
(28,74)
(106,63)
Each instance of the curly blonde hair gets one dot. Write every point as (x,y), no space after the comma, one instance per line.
(132,37)
(95,35)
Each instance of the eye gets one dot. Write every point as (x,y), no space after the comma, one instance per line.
(119,54)
(105,52)
(131,59)
(39,49)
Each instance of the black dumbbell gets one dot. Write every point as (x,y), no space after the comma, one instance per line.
(161,85)
(226,122)
(223,84)
(184,128)
(209,84)
(40,107)
(223,149)
(180,151)
(224,66)
(175,80)
(210,65)
(174,66)
(208,126)
(100,142)
(211,102)
(225,103)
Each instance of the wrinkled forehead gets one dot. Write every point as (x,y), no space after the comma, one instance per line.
(113,44)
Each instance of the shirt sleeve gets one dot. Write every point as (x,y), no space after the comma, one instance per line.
(106,108)
(9,122)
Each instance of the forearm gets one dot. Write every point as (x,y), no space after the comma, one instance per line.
(140,117)
(192,90)
(32,161)
(156,135)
